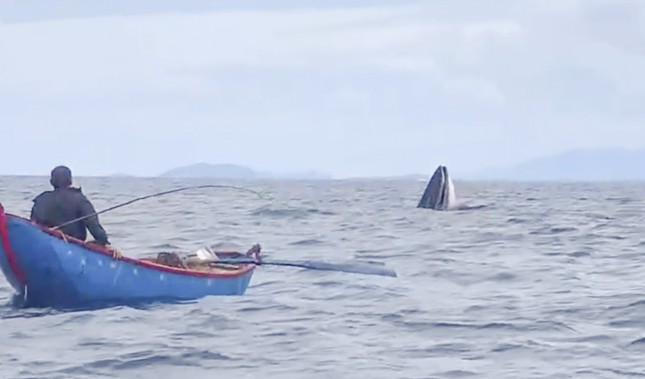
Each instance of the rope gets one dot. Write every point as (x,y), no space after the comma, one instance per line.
(260,195)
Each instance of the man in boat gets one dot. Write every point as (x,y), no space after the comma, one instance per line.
(66,203)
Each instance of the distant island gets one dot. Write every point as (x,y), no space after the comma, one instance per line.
(231,171)
(574,165)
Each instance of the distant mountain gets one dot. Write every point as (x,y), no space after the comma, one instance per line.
(575,165)
(230,171)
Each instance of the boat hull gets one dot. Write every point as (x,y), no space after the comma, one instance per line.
(47,269)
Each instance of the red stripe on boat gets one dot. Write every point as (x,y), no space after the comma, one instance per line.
(11,256)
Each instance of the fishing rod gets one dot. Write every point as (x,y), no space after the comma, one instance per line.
(260,195)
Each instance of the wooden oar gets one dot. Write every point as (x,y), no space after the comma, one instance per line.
(356,268)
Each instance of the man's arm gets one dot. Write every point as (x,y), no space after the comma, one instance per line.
(92,222)
(32,216)
(37,210)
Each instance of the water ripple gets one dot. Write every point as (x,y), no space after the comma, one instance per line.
(547,282)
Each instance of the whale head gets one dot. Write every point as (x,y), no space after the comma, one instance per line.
(440,191)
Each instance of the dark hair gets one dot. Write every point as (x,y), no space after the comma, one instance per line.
(61,176)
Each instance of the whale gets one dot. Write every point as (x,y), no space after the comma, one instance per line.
(440,194)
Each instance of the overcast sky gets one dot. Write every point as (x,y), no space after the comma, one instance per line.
(350,88)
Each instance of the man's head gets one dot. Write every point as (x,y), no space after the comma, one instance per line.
(61,177)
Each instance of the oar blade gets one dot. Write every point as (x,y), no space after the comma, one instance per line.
(351,267)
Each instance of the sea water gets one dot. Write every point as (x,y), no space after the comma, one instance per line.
(544,282)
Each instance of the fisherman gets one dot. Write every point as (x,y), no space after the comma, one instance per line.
(66,203)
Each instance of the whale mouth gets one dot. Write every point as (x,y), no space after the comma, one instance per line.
(439,193)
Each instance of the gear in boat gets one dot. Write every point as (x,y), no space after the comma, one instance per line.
(203,259)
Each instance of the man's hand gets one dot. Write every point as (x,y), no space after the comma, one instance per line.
(116,253)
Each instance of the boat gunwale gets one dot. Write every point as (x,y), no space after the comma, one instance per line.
(94,248)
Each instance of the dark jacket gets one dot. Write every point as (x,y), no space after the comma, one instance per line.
(52,208)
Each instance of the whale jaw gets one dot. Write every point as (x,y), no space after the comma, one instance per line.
(440,192)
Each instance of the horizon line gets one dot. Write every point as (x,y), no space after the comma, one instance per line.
(409,177)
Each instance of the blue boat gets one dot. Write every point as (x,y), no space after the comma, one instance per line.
(49,269)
